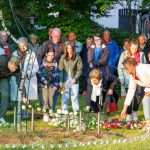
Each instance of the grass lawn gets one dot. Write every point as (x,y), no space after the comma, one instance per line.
(46,135)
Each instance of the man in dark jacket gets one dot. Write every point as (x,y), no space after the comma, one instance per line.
(113,49)
(4,75)
(52,43)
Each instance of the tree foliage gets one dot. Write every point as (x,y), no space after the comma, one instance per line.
(74,15)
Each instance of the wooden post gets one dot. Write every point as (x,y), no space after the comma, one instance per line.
(26,115)
(32,119)
(80,121)
(98,121)
(15,117)
(19,116)
(68,122)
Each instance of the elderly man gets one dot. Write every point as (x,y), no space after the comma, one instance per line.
(139,75)
(4,74)
(54,42)
(113,49)
(144,45)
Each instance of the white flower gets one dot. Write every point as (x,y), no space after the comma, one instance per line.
(43,147)
(75,113)
(77,128)
(75,145)
(66,145)
(50,111)
(7,146)
(71,113)
(55,124)
(57,115)
(65,112)
(23,107)
(29,106)
(44,110)
(24,146)
(59,111)
(51,146)
(38,109)
(14,146)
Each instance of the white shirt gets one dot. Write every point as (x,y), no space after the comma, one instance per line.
(96,91)
(143,75)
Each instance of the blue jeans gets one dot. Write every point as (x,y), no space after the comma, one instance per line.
(55,99)
(73,93)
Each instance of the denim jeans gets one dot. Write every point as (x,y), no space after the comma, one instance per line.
(73,93)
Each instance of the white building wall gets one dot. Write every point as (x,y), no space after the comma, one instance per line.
(112,21)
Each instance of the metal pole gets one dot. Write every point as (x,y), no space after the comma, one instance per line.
(32,119)
(98,121)
(80,119)
(19,115)
(68,122)
(15,117)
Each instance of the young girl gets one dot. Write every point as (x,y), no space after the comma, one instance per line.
(70,66)
(49,81)
(139,57)
(123,76)
(100,87)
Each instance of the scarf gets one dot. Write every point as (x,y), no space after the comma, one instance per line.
(96,91)
(6,50)
(136,56)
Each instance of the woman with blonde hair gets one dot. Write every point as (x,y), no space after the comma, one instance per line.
(101,89)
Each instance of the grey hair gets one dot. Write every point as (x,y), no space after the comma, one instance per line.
(22,40)
(106,31)
(143,35)
(56,30)
(3,32)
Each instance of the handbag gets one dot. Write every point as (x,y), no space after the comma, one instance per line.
(111,105)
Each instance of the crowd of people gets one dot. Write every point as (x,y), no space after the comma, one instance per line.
(44,71)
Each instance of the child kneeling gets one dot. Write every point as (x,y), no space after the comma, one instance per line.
(100,89)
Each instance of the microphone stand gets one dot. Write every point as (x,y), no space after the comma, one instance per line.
(21,92)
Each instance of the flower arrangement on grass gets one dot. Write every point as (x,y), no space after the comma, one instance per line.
(73,121)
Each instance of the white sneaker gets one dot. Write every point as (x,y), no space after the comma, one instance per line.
(65,112)
(129,118)
(2,120)
(87,108)
(134,116)
(50,111)
(45,117)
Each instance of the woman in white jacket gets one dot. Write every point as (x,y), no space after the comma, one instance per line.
(139,75)
(133,52)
